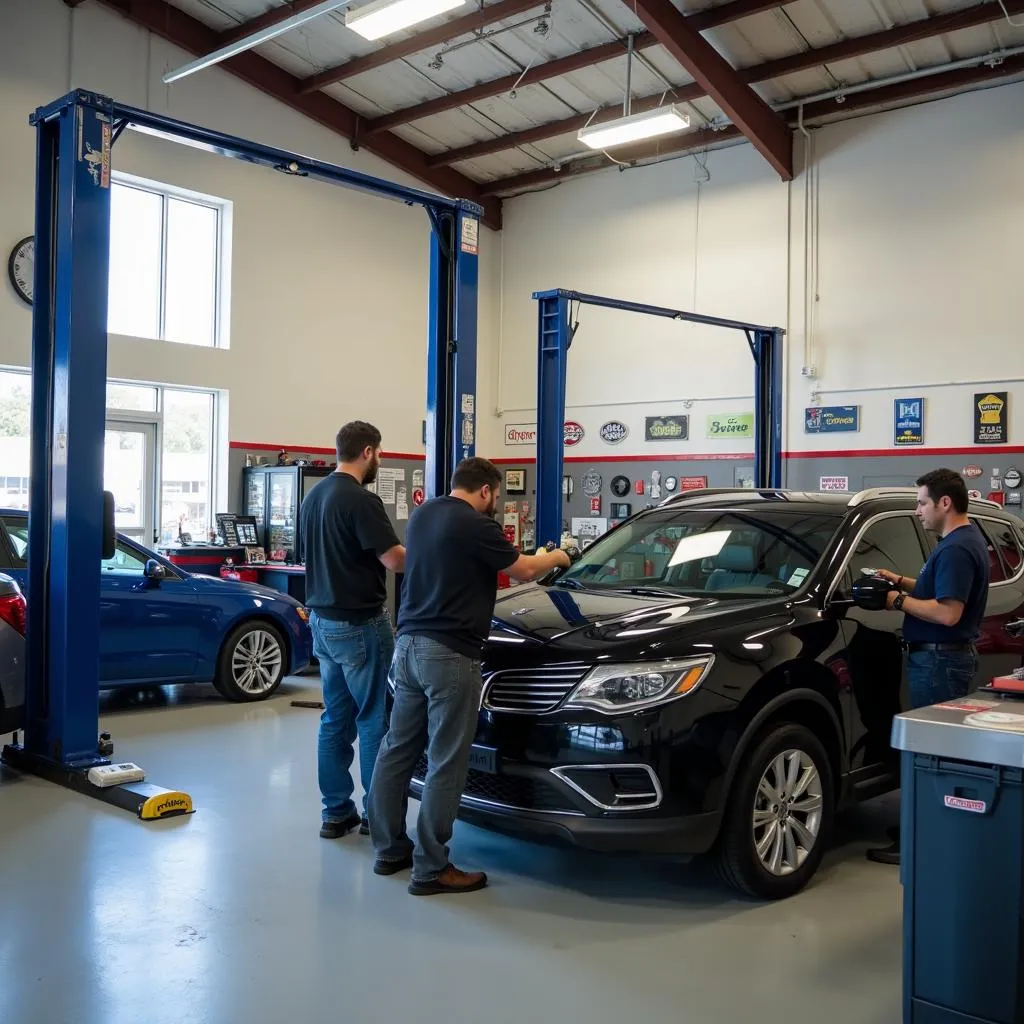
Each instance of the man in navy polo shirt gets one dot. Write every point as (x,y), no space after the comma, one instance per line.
(944,606)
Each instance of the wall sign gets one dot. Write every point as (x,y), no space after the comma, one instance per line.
(990,418)
(834,483)
(831,419)
(591,483)
(620,486)
(614,432)
(972,472)
(908,416)
(595,506)
(572,434)
(722,426)
(692,483)
(520,433)
(666,428)
(1012,478)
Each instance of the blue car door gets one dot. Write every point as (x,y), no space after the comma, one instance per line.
(149,629)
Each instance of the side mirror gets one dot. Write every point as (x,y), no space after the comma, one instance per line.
(154,570)
(109,533)
(871,592)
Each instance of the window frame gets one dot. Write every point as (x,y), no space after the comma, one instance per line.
(1014,533)
(222,256)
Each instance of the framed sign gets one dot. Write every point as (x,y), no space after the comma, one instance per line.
(908,421)
(515,481)
(831,419)
(722,426)
(990,418)
(666,428)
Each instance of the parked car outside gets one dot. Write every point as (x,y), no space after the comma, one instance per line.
(700,680)
(161,625)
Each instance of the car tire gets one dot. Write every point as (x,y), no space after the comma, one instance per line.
(779,817)
(252,662)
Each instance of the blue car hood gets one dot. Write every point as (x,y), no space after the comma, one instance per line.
(213,584)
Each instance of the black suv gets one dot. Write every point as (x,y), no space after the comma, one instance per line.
(701,680)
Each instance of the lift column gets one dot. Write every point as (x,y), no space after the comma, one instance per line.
(69,376)
(451,343)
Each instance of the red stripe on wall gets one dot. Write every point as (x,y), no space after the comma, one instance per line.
(675,457)
(312,449)
(871,453)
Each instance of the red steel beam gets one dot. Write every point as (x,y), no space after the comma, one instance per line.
(886,39)
(899,92)
(179,28)
(421,41)
(770,135)
(703,20)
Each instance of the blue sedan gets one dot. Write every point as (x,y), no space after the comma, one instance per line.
(160,624)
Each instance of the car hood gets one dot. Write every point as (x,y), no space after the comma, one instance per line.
(213,584)
(548,613)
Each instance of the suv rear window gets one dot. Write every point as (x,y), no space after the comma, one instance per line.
(1004,549)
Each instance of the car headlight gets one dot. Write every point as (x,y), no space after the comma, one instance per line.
(303,613)
(641,685)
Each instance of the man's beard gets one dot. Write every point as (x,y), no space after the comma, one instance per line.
(492,508)
(371,471)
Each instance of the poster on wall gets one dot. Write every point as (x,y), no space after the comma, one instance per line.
(586,531)
(666,428)
(831,419)
(724,426)
(834,483)
(990,418)
(908,421)
(520,433)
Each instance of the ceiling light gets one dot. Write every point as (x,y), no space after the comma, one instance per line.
(383,17)
(255,39)
(634,128)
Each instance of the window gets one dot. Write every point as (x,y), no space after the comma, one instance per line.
(892,544)
(742,553)
(168,264)
(1004,553)
(17,534)
(15,413)
(124,560)
(186,504)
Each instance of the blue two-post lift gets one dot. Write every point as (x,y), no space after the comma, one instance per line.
(70,522)
(554,336)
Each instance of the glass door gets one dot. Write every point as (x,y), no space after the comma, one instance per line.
(129,471)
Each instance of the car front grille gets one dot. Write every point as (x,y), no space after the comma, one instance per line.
(532,690)
(513,791)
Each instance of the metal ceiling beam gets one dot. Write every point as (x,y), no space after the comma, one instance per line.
(263,21)
(181,29)
(703,20)
(886,95)
(846,49)
(421,41)
(768,132)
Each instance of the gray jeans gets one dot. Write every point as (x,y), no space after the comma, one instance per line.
(437,699)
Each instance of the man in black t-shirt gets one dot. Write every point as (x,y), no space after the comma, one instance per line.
(349,543)
(456,550)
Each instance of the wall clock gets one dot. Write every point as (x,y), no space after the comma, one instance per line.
(21,268)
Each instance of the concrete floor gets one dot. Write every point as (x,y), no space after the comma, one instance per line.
(242,913)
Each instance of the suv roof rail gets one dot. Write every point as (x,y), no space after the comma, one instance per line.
(896,492)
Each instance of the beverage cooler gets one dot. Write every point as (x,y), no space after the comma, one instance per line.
(273,495)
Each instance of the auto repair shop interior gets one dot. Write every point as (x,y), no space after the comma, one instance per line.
(713,283)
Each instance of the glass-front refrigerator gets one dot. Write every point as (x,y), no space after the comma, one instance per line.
(274,495)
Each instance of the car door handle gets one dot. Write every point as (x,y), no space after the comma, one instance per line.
(1015,629)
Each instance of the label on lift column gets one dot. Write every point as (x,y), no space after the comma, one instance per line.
(959,803)
(470,235)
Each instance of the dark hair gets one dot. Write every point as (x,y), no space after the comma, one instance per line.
(472,475)
(353,438)
(946,483)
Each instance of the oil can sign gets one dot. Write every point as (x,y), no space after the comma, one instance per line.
(572,434)
(613,432)
(990,418)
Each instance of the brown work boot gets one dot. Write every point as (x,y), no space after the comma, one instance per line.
(450,880)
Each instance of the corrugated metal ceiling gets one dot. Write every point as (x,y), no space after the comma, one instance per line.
(511,46)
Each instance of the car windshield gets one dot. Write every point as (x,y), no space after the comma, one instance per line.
(730,553)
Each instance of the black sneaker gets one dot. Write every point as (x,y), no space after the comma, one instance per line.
(337,829)
(364,827)
(391,867)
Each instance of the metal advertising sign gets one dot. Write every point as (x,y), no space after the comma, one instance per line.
(692,483)
(614,432)
(834,483)
(722,426)
(990,418)
(520,433)
(1012,478)
(572,433)
(831,419)
(972,472)
(908,421)
(666,428)
(591,483)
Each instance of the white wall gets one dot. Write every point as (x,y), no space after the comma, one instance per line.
(329,286)
(920,216)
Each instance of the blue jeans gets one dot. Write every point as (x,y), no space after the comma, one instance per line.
(437,700)
(354,662)
(937,676)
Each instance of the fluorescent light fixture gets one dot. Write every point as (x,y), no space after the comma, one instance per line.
(634,128)
(255,39)
(383,17)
